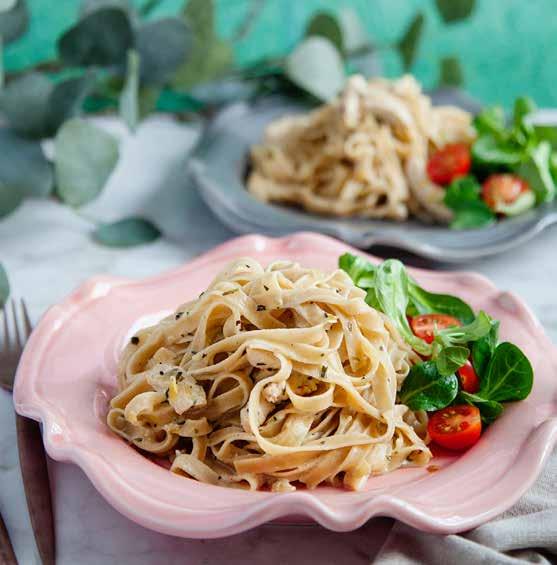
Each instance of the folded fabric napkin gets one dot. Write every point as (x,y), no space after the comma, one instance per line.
(526,532)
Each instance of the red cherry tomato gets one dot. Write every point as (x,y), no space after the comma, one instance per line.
(469,381)
(449,163)
(502,189)
(424,325)
(455,427)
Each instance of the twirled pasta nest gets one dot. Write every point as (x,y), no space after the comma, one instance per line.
(272,377)
(364,154)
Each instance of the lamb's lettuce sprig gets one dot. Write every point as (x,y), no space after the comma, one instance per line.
(504,371)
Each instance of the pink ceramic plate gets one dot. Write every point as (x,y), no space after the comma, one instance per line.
(67,374)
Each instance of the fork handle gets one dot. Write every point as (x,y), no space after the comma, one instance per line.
(7,555)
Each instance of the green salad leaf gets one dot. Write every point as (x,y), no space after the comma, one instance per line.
(490,410)
(535,169)
(426,389)
(463,198)
(509,375)
(458,335)
(450,359)
(483,349)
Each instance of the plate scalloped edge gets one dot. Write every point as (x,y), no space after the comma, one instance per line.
(28,403)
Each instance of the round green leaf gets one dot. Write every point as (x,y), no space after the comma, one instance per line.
(316,67)
(10,199)
(325,25)
(14,22)
(126,233)
(67,98)
(163,46)
(354,36)
(129,102)
(24,166)
(409,42)
(24,103)
(451,72)
(100,38)
(4,286)
(455,10)
(84,159)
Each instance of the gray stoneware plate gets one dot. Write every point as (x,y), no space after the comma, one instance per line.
(219,164)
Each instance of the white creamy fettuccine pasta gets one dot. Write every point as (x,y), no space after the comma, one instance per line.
(364,153)
(273,377)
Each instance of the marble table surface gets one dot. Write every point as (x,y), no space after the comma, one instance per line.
(47,251)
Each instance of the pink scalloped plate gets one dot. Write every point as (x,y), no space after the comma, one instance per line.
(67,374)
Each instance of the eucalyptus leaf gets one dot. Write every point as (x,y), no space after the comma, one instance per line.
(410,41)
(354,36)
(85,156)
(7,5)
(14,22)
(455,10)
(24,166)
(129,98)
(425,389)
(451,359)
(209,56)
(24,103)
(325,25)
(4,286)
(67,98)
(10,198)
(126,233)
(101,38)
(509,375)
(451,72)
(163,46)
(316,67)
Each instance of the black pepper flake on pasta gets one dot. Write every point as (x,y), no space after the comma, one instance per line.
(181,422)
(261,307)
(138,439)
(260,364)
(265,287)
(166,394)
(324,372)
(161,372)
(203,355)
(134,340)
(178,315)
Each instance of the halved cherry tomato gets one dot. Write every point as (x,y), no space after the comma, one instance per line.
(449,163)
(469,381)
(503,189)
(424,325)
(455,427)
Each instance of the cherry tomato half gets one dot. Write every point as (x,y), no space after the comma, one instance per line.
(455,427)
(469,381)
(424,325)
(503,189)
(449,163)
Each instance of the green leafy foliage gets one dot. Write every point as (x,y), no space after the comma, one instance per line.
(129,97)
(490,410)
(451,358)
(461,335)
(410,41)
(163,45)
(209,56)
(463,197)
(509,375)
(426,389)
(325,25)
(535,170)
(451,73)
(23,166)
(317,67)
(455,10)
(128,232)
(14,21)
(4,286)
(102,38)
(483,349)
(84,159)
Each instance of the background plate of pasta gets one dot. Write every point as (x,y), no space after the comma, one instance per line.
(295,379)
(383,163)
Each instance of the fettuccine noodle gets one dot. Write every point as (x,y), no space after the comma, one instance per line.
(364,153)
(272,377)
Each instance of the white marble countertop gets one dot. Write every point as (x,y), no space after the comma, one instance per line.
(47,252)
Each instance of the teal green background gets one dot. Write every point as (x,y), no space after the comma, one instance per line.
(507,47)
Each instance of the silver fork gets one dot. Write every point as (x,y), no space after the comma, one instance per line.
(32,458)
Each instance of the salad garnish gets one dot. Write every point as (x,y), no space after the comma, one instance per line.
(465,375)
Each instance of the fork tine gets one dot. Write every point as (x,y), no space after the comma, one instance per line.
(6,340)
(26,320)
(16,327)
